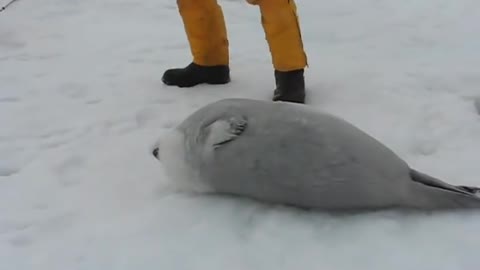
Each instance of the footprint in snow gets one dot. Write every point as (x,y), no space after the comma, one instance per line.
(74,90)
(8,171)
(21,240)
(9,99)
(425,147)
(68,170)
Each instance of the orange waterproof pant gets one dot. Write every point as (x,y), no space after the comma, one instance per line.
(207,35)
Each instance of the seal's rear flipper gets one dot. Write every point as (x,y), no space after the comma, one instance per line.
(434,182)
(436,194)
(473,190)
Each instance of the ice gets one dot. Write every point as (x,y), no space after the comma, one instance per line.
(82,102)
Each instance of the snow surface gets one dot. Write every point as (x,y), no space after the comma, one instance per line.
(81,103)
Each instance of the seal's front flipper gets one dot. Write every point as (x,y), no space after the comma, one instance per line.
(223,131)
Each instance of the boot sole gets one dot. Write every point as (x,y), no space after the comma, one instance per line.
(188,85)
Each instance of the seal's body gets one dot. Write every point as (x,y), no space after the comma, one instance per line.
(292,154)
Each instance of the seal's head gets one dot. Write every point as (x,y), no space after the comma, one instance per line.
(171,151)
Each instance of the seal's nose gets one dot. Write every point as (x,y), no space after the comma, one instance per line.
(155,152)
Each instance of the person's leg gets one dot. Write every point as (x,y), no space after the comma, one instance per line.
(282,30)
(207,36)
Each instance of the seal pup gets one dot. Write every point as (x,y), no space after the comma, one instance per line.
(291,154)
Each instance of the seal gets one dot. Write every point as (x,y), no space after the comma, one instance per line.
(292,154)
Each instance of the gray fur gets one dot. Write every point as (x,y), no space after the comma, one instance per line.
(291,154)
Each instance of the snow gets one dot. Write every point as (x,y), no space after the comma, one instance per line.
(81,104)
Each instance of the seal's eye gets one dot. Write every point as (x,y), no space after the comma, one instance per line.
(155,152)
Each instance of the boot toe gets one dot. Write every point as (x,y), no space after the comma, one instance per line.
(169,77)
(195,74)
(179,78)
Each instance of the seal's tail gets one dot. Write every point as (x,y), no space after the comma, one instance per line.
(433,193)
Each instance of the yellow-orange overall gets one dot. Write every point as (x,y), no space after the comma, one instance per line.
(207,35)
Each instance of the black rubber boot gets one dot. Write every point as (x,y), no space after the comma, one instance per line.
(290,86)
(194,74)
